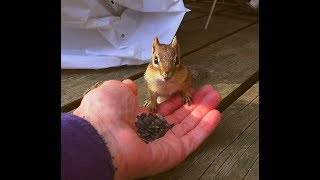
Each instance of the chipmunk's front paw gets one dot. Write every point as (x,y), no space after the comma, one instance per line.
(150,106)
(187,99)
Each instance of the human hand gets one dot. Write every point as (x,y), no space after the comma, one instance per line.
(112,109)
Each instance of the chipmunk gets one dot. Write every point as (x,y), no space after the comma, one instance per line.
(165,75)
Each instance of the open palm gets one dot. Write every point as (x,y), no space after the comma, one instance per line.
(132,157)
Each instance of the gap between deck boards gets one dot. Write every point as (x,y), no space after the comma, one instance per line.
(235,94)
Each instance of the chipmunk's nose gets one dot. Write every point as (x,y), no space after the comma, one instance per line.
(167,75)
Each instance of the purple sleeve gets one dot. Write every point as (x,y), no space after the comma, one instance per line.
(84,154)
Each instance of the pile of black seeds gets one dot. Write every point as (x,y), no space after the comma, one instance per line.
(151,127)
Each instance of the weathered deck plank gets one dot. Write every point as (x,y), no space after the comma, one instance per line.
(241,167)
(191,35)
(235,161)
(225,64)
(226,147)
(253,173)
(239,13)
(237,106)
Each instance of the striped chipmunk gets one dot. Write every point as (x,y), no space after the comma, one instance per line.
(166,75)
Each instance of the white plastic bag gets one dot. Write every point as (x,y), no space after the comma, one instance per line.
(99,34)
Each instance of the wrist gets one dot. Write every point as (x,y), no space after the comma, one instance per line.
(84,147)
(109,130)
(104,129)
(94,120)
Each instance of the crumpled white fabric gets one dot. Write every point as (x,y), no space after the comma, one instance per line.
(99,34)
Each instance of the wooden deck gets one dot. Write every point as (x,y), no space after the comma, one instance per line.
(227,54)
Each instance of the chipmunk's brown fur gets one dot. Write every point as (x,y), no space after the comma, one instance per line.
(165,75)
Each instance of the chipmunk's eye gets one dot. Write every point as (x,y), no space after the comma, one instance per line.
(177,61)
(156,60)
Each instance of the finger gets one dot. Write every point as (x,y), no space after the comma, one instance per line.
(133,86)
(209,102)
(184,111)
(195,137)
(172,104)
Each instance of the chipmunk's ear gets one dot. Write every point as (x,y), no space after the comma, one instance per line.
(155,44)
(174,42)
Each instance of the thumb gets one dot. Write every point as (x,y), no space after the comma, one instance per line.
(133,86)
